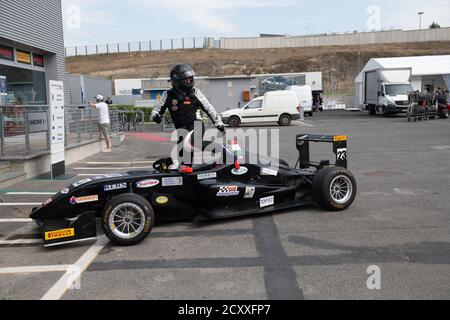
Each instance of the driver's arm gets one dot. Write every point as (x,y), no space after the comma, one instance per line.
(160,108)
(208,108)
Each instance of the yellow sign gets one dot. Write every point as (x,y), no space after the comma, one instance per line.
(24,57)
(59,234)
(340,138)
(162,200)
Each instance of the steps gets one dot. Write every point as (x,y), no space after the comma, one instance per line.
(9,175)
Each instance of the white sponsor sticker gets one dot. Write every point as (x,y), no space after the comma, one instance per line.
(144,184)
(342,154)
(172,182)
(207,176)
(249,192)
(269,172)
(240,172)
(267,202)
(81,182)
(116,186)
(113,175)
(230,191)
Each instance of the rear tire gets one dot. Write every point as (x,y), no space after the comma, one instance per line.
(128,219)
(285,120)
(372,110)
(444,114)
(234,122)
(334,188)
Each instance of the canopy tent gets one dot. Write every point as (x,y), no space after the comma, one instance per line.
(422,67)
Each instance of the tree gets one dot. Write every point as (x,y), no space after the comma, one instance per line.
(435,25)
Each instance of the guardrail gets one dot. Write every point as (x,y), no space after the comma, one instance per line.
(25,130)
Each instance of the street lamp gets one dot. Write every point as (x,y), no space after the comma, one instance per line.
(420,19)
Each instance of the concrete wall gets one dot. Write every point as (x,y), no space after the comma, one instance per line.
(36,25)
(393,36)
(227,93)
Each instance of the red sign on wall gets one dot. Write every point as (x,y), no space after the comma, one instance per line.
(6,53)
(38,60)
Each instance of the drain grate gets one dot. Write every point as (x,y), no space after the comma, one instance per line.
(22,213)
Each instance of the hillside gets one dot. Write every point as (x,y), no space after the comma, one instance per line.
(344,63)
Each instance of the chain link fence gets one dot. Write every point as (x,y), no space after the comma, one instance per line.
(25,130)
(154,45)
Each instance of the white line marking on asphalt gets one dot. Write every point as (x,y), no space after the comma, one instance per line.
(124,163)
(303,123)
(405,192)
(20,241)
(15,220)
(441,147)
(30,193)
(18,204)
(68,279)
(112,168)
(34,269)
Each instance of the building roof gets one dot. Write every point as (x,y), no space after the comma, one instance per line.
(421,65)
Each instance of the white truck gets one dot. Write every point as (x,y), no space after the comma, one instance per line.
(386,90)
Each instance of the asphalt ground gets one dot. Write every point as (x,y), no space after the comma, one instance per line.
(399,223)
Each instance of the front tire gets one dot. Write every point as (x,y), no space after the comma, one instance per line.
(128,219)
(334,188)
(234,122)
(285,120)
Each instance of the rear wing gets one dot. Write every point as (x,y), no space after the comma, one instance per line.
(339,149)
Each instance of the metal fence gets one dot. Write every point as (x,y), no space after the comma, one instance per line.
(154,45)
(25,130)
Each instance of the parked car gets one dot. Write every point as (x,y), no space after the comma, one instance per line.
(274,106)
(305,98)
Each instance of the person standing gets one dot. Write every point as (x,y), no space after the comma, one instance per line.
(103,118)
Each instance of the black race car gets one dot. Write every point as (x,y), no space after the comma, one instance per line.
(129,203)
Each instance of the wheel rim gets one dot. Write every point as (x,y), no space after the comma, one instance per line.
(127,220)
(285,121)
(233,122)
(341,189)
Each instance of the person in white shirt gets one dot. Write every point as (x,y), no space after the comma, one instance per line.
(103,118)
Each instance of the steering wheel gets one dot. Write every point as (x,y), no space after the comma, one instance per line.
(162,165)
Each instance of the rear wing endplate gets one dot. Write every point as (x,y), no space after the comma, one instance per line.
(339,149)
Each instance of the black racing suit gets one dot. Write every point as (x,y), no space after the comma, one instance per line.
(183,108)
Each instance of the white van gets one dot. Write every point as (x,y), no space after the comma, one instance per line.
(305,98)
(275,106)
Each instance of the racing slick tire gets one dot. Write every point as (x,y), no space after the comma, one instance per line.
(128,219)
(372,110)
(285,120)
(234,122)
(334,188)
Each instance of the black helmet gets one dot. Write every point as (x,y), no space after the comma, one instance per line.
(182,77)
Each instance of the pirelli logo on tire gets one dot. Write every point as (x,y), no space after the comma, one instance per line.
(59,234)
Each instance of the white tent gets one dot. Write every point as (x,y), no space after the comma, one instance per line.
(431,71)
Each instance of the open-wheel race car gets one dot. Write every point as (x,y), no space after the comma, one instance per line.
(130,203)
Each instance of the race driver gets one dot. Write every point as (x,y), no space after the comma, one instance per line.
(184,100)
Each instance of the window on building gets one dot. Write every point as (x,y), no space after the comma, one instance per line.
(24,86)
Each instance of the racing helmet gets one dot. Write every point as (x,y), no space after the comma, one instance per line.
(182,77)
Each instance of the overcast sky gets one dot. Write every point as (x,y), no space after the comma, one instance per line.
(109,21)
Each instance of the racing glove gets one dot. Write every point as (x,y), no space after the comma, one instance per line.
(157,118)
(221,128)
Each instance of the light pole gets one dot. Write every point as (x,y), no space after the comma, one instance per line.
(420,19)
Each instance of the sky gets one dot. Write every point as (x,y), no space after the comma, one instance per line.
(88,22)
